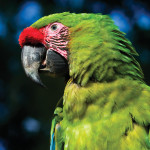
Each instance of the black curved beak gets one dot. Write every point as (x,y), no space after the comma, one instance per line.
(37,59)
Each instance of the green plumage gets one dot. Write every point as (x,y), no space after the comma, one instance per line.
(106,104)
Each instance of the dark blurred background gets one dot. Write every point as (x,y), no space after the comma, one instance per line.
(26,108)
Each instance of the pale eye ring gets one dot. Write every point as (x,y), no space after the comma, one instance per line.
(54,27)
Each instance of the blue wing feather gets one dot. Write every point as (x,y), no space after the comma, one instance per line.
(52,144)
(55,132)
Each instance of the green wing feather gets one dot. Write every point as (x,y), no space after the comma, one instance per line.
(56,131)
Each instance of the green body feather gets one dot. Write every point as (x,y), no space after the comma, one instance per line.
(106,102)
(107,116)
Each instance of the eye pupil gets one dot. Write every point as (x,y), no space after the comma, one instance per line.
(54,27)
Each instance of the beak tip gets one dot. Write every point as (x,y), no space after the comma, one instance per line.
(38,81)
(42,85)
(36,78)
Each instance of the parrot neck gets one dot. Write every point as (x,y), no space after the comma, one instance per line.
(99,52)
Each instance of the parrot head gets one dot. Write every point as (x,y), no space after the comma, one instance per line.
(83,46)
(45,50)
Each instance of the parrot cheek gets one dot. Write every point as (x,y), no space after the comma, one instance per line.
(55,64)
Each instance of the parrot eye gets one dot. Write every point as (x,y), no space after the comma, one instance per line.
(54,27)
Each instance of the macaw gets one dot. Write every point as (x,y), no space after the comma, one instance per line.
(106,103)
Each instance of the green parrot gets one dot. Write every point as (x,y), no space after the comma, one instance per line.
(106,103)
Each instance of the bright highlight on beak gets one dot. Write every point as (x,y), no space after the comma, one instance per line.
(32,57)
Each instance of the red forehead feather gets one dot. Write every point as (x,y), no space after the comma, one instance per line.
(31,35)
